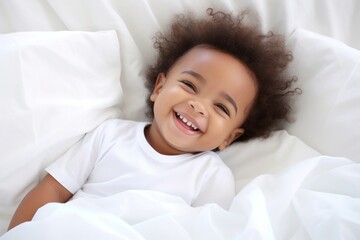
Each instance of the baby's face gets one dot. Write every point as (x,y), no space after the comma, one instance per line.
(201,103)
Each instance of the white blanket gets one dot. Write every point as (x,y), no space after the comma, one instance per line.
(314,199)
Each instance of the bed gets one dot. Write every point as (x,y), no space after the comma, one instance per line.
(66,66)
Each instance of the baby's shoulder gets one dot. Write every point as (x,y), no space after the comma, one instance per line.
(118,124)
(212,159)
(118,128)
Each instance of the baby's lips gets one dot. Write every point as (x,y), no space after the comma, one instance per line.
(194,121)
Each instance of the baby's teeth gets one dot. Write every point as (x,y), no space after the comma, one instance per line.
(187,122)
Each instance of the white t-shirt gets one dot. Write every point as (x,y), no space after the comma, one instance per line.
(116,157)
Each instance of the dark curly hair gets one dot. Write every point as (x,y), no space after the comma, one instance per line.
(264,54)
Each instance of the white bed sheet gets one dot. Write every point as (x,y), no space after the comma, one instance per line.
(307,201)
(287,187)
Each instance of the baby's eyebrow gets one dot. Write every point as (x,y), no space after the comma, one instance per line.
(195,75)
(203,80)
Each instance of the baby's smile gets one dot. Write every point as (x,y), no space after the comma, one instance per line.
(187,121)
(185,125)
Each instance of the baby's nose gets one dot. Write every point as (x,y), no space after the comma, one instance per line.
(198,107)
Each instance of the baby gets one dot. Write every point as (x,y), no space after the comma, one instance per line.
(216,81)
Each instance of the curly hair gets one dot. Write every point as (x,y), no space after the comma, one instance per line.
(264,54)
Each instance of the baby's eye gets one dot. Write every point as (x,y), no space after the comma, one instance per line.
(189,85)
(223,108)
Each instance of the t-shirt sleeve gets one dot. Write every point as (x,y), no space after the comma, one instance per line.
(219,188)
(74,167)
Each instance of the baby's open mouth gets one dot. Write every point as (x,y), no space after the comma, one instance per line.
(186,122)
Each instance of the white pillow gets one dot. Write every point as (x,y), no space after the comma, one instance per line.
(328,111)
(265,156)
(54,87)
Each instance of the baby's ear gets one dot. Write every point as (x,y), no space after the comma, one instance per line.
(231,138)
(160,81)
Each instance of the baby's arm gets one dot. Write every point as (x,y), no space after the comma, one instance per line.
(48,190)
